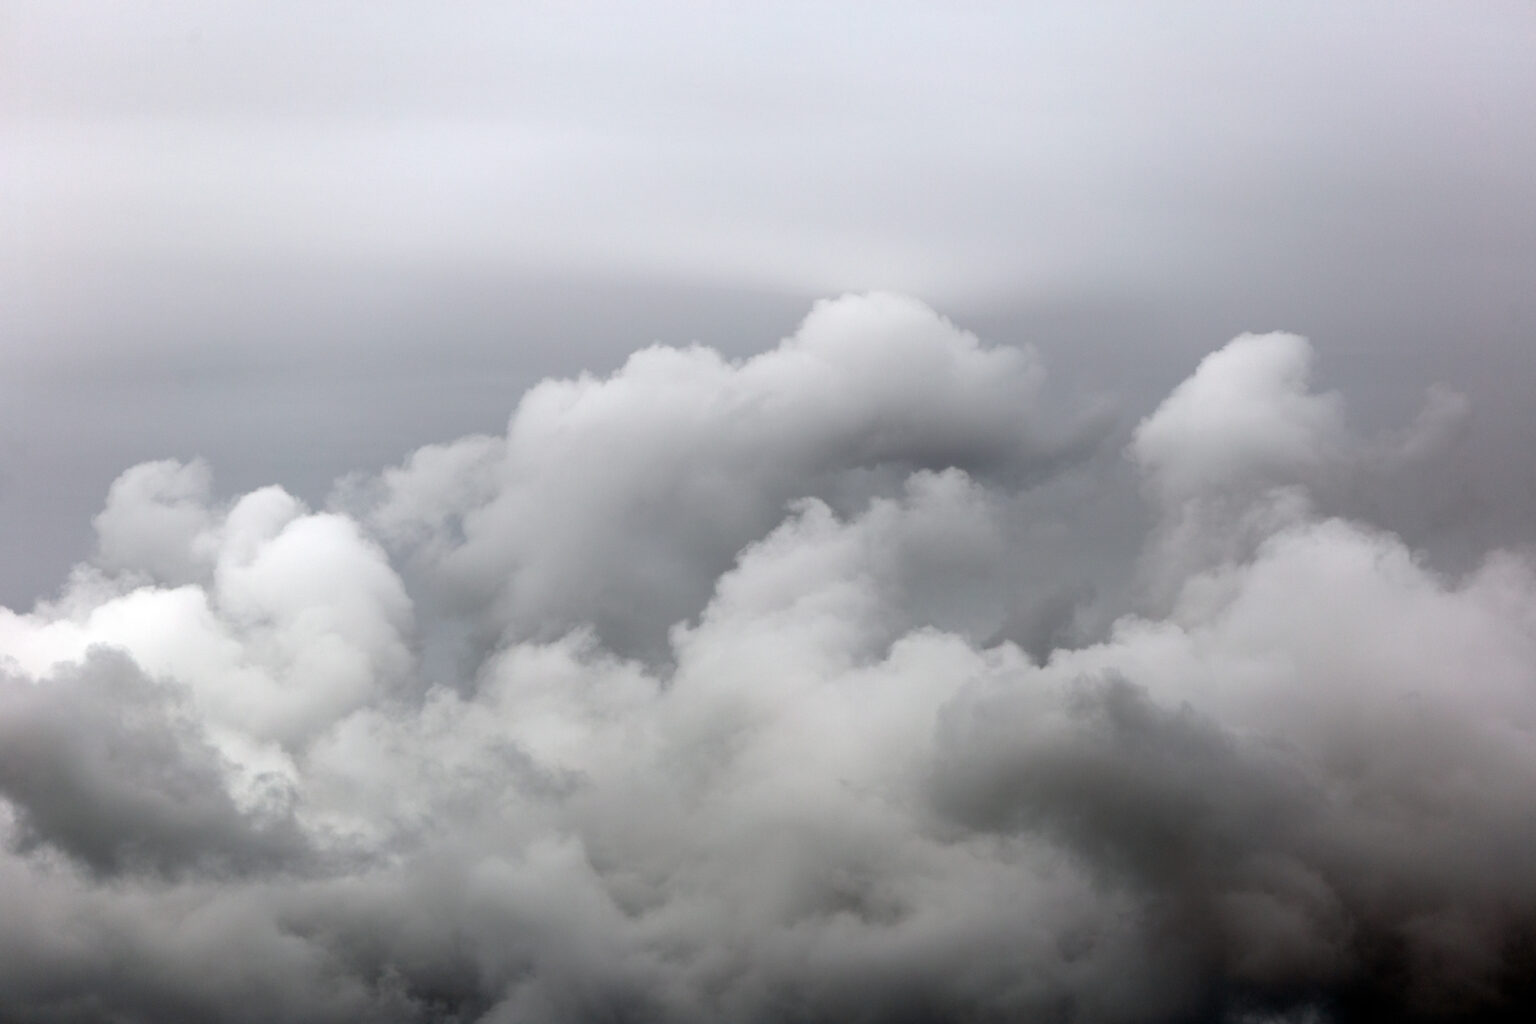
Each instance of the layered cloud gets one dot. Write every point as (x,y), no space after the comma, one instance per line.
(691,699)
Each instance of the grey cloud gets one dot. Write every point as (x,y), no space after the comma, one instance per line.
(857,676)
(617,502)
(688,699)
(112,770)
(1246,443)
(156,513)
(1280,881)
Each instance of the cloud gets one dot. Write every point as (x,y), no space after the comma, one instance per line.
(617,502)
(1246,413)
(103,765)
(689,699)
(1244,447)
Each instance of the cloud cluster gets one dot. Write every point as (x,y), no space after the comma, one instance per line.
(690,699)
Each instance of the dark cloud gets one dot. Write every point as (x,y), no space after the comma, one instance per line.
(113,770)
(1274,881)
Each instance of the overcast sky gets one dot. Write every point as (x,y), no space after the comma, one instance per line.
(1055,358)
(302,238)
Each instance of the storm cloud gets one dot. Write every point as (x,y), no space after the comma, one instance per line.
(752,690)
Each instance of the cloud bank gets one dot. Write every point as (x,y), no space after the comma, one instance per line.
(694,697)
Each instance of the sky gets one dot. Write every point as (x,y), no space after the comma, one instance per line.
(681,512)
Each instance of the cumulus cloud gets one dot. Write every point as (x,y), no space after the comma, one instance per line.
(1245,413)
(110,769)
(617,502)
(690,699)
(1245,446)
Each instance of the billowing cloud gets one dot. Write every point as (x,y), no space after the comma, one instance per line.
(616,503)
(690,699)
